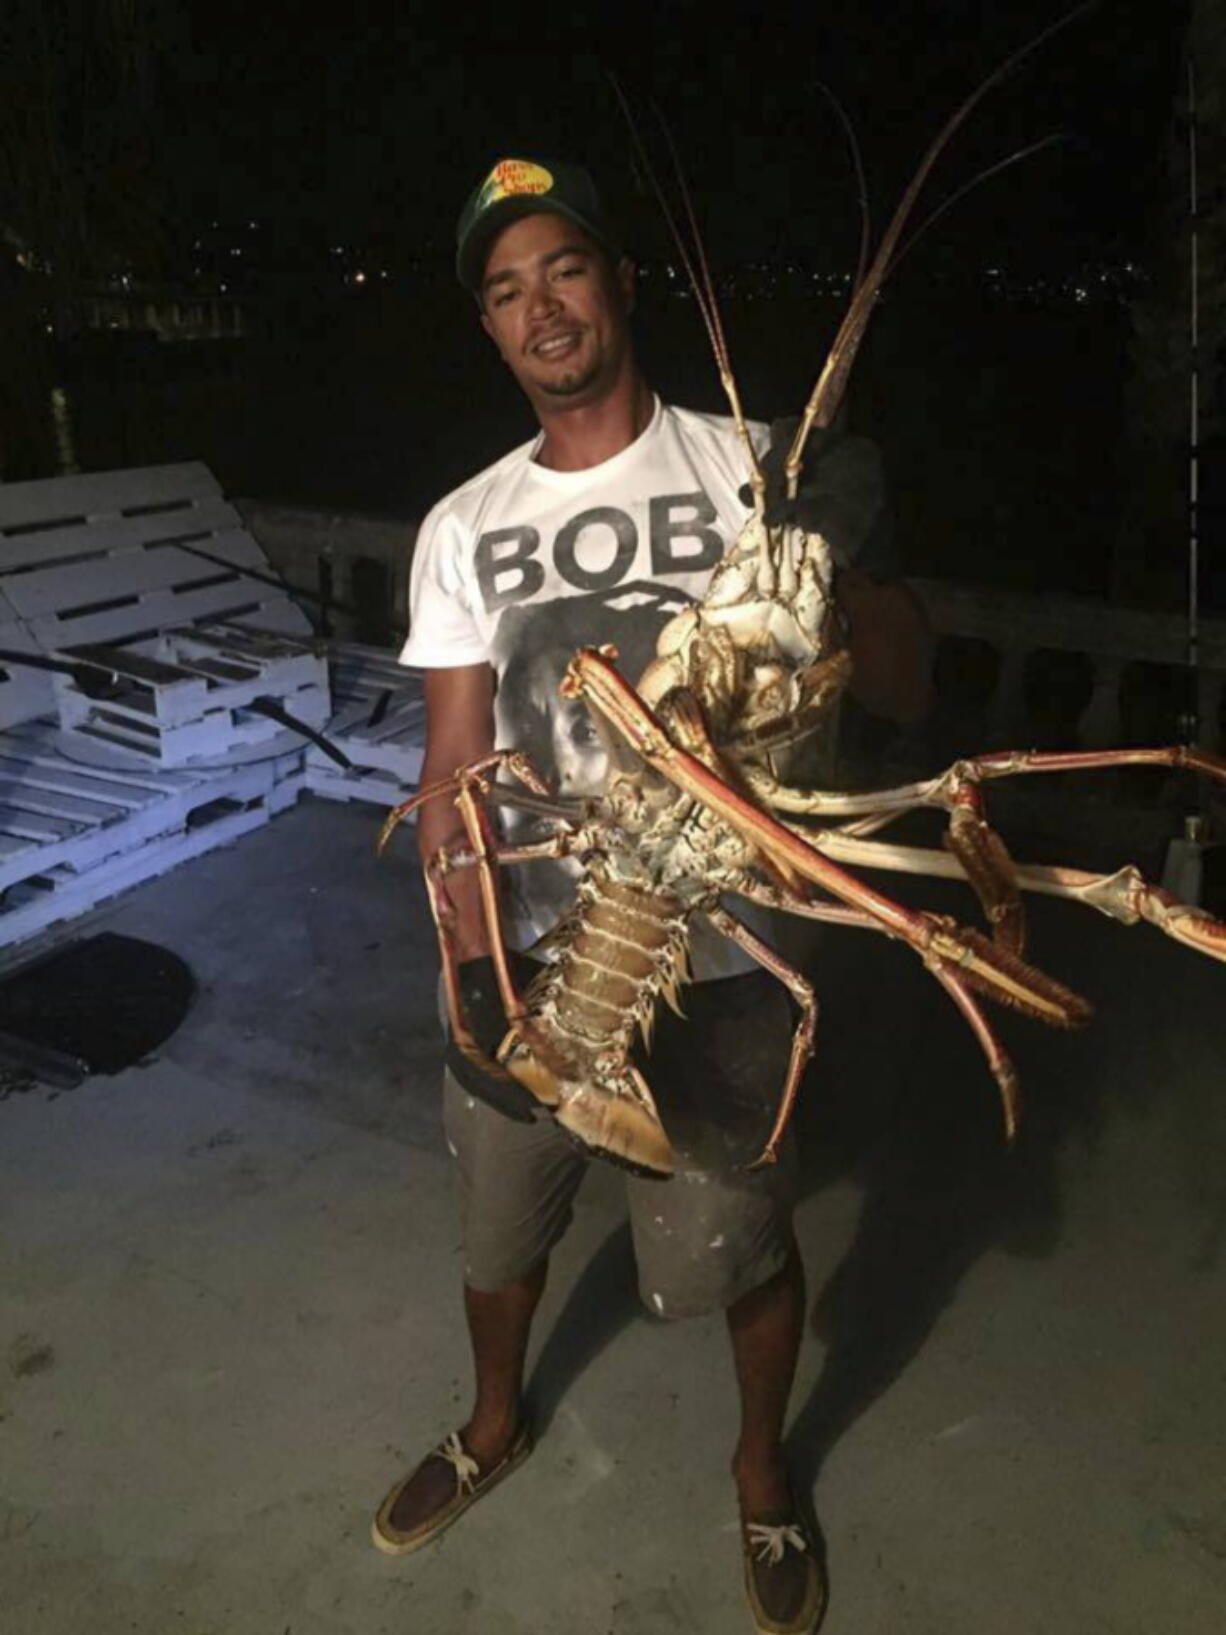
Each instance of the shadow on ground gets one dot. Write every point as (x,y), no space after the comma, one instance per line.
(900,1101)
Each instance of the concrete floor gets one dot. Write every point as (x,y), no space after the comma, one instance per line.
(231,1311)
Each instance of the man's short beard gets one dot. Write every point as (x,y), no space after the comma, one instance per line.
(572,386)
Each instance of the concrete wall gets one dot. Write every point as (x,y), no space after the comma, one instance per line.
(360,562)
(1022,669)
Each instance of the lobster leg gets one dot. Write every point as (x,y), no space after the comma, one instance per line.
(981,852)
(1002,1068)
(1125,896)
(802,1040)
(519,765)
(943,790)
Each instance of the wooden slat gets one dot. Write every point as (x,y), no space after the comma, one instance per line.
(163,610)
(68,835)
(64,777)
(76,894)
(35,826)
(98,492)
(65,586)
(284,616)
(92,536)
(61,804)
(24,693)
(374,785)
(36,741)
(397,724)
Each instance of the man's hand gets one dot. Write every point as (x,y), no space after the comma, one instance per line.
(487,1022)
(841,495)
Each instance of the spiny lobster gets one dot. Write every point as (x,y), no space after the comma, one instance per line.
(694,810)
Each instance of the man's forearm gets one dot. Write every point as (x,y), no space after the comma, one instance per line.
(459,731)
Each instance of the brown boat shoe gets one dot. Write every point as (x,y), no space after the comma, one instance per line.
(438,1491)
(785,1578)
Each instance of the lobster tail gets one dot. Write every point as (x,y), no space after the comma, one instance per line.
(625,1127)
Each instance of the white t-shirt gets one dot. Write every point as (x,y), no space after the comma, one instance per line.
(522,565)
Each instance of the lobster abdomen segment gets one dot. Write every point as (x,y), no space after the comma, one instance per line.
(612,957)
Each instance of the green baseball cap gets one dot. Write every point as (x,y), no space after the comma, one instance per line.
(521,187)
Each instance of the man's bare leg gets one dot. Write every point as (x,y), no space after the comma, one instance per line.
(499,1324)
(765,1327)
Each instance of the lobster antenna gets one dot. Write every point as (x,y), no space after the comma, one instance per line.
(827,394)
(724,357)
(699,280)
(857,159)
(967,187)
(661,197)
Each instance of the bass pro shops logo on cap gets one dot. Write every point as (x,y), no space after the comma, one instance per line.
(513,178)
(519,187)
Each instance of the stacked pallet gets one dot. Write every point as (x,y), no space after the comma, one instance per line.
(196,697)
(164,735)
(379,721)
(72,835)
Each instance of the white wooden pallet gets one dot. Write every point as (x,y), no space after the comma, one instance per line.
(189,697)
(379,723)
(72,835)
(98,558)
(101,559)
(101,566)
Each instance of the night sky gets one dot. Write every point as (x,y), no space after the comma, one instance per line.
(377,119)
(366,127)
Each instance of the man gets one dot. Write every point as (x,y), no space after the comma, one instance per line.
(598,530)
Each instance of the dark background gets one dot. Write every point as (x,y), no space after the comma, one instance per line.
(997,396)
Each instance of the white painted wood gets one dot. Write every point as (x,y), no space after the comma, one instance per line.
(93,857)
(41,744)
(373,784)
(87,537)
(387,752)
(58,813)
(159,610)
(190,698)
(91,558)
(24,693)
(245,665)
(62,587)
(57,775)
(217,732)
(95,493)
(73,895)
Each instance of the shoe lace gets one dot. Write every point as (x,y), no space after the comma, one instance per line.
(465,1466)
(769,1543)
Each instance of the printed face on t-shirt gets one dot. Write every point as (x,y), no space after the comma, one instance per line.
(533,646)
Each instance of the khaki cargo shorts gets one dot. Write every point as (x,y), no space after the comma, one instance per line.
(702,1239)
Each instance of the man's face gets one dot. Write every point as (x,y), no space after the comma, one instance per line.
(558,311)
